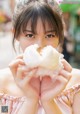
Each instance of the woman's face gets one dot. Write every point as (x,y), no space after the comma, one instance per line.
(42,37)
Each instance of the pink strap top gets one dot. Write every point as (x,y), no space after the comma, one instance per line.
(66,98)
(13,103)
(64,101)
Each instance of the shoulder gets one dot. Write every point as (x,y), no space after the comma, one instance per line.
(5,75)
(76,72)
(76,75)
(5,78)
(7,83)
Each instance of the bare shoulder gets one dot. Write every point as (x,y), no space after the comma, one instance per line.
(75,72)
(75,79)
(7,83)
(5,75)
(76,75)
(5,78)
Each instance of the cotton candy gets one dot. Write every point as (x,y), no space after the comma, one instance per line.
(48,60)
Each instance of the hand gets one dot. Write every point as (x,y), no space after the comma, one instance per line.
(25,78)
(50,88)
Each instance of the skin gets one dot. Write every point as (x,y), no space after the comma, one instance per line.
(32,87)
(41,38)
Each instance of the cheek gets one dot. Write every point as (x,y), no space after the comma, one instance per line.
(54,43)
(24,44)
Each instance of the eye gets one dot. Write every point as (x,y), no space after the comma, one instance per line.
(29,35)
(50,35)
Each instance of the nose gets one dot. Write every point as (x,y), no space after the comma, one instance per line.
(41,43)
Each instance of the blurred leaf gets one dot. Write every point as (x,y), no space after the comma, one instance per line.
(70,7)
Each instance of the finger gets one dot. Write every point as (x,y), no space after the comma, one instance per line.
(20,56)
(14,65)
(61,81)
(30,75)
(28,69)
(35,83)
(21,71)
(46,79)
(46,82)
(66,65)
(55,88)
(65,74)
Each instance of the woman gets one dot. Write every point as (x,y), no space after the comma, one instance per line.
(37,22)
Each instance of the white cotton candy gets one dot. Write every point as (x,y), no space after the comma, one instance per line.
(31,56)
(48,60)
(50,57)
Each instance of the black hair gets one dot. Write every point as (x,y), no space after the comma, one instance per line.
(35,10)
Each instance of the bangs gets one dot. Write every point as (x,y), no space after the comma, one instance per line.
(45,16)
